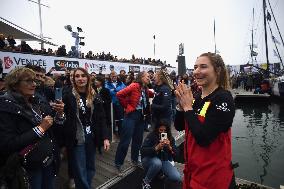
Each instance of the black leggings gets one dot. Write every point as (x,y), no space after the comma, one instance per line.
(233,184)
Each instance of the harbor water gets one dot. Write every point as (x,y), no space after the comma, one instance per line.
(258,142)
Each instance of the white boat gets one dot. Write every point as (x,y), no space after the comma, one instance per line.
(277,86)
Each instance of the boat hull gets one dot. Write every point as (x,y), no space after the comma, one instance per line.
(278,89)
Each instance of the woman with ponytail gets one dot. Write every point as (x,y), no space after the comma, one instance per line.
(161,105)
(207,120)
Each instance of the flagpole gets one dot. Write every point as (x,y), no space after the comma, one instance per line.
(40,21)
(215,37)
(252,36)
(154,45)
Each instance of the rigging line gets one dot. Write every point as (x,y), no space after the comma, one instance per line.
(276,23)
(275,45)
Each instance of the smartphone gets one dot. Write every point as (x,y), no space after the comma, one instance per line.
(58,94)
(164,136)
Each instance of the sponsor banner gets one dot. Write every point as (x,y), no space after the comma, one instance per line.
(135,69)
(12,60)
(61,65)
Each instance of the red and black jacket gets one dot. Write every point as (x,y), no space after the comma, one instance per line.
(208,150)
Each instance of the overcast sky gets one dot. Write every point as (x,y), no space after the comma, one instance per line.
(126,27)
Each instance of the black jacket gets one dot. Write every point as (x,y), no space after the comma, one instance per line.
(149,144)
(106,97)
(16,125)
(161,104)
(98,126)
(219,117)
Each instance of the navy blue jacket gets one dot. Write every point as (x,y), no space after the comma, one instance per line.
(161,105)
(149,144)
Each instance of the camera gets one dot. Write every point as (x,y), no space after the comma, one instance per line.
(164,136)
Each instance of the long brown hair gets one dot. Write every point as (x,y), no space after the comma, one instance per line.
(165,78)
(220,69)
(90,92)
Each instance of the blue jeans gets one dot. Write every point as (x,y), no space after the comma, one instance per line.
(154,165)
(82,159)
(132,128)
(42,178)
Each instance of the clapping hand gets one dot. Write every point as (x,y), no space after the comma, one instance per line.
(184,96)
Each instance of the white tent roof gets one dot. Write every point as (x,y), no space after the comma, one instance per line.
(9,28)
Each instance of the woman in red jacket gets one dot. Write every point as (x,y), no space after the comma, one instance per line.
(207,121)
(135,101)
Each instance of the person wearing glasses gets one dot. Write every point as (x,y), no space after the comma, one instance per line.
(25,129)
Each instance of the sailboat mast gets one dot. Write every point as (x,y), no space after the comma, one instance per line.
(215,37)
(265,36)
(251,53)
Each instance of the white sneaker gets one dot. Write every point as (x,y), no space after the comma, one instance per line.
(71,184)
(145,185)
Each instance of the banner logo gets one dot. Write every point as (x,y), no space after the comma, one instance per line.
(8,62)
(135,69)
(60,65)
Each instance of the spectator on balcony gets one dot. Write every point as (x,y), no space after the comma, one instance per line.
(108,56)
(26,48)
(90,55)
(50,52)
(11,41)
(73,53)
(61,51)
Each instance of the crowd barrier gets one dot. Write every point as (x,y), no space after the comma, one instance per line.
(15,59)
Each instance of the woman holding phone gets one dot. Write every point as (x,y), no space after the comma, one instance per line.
(85,124)
(26,130)
(157,153)
(207,121)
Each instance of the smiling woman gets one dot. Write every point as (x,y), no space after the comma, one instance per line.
(24,131)
(85,127)
(207,122)
(22,80)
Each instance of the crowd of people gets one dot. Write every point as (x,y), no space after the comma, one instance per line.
(41,113)
(9,44)
(251,81)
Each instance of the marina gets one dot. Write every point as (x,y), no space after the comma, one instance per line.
(241,94)
(257,146)
(105,47)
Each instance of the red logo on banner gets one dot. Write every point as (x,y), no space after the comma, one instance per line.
(86,66)
(8,62)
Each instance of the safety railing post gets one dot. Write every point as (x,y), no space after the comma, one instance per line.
(112,122)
